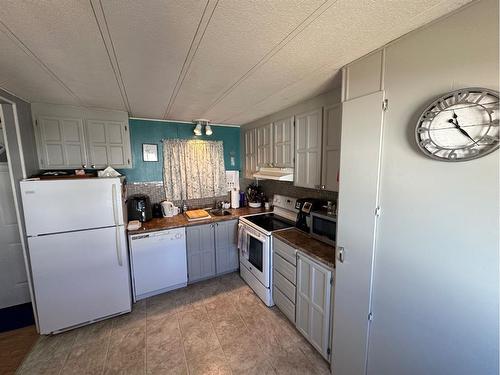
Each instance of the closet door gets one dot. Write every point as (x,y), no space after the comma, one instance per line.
(109,144)
(362,121)
(62,142)
(283,142)
(308,135)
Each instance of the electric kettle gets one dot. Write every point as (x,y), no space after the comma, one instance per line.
(168,209)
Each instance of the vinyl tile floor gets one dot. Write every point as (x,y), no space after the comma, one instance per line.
(218,326)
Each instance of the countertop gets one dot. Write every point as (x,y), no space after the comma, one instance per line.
(308,245)
(180,220)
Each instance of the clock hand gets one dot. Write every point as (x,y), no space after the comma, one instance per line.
(451,121)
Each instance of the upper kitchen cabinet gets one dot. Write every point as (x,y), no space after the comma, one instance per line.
(264,145)
(308,136)
(250,152)
(283,146)
(74,137)
(108,143)
(61,142)
(332,125)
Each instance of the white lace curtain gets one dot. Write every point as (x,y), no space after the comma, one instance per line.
(193,169)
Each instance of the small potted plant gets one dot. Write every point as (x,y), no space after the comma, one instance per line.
(254,196)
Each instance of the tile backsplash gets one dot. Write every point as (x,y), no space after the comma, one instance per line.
(156,193)
(271,187)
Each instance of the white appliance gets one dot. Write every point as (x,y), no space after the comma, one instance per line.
(77,249)
(158,261)
(278,174)
(255,244)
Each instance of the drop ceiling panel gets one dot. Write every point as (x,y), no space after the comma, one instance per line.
(63,34)
(346,31)
(238,36)
(21,75)
(151,39)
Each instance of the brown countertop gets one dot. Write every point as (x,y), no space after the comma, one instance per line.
(180,220)
(308,245)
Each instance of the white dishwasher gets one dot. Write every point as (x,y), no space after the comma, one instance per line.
(158,262)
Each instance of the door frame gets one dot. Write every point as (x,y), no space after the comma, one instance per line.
(6,104)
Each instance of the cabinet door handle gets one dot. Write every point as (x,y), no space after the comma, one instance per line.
(340,254)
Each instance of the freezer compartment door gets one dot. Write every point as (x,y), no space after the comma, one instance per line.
(67,205)
(79,277)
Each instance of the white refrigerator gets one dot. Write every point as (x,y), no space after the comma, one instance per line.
(77,249)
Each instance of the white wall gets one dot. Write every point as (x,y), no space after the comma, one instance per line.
(436,277)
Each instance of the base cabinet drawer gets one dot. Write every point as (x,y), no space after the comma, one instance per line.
(286,251)
(285,286)
(284,304)
(288,270)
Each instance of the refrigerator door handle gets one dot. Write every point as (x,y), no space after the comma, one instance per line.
(113,199)
(118,246)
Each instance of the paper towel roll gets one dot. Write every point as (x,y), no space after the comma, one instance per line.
(235,198)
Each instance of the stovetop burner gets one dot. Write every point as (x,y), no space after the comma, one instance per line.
(270,222)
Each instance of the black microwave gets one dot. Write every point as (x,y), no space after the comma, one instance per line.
(323,227)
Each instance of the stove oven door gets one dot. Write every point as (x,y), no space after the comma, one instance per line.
(255,255)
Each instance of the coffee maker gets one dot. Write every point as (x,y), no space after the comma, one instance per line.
(305,206)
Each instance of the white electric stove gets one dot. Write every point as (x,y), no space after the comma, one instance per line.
(255,244)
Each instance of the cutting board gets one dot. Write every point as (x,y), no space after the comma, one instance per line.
(197,215)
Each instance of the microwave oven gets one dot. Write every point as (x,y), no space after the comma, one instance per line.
(323,227)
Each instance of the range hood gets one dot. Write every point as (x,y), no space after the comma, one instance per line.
(279,174)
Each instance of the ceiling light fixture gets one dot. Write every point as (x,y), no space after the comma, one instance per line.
(208,130)
(199,124)
(197,129)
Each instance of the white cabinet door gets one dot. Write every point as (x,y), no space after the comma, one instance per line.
(250,152)
(61,142)
(226,246)
(200,252)
(283,142)
(313,303)
(264,146)
(331,147)
(308,129)
(362,120)
(109,144)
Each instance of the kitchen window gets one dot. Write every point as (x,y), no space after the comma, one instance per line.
(193,169)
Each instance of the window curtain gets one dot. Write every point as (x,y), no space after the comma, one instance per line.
(193,169)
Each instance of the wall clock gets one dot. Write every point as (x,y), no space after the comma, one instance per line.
(460,125)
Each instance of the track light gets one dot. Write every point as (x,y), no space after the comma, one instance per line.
(199,124)
(197,129)
(208,130)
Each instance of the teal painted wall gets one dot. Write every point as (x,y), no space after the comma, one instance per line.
(150,131)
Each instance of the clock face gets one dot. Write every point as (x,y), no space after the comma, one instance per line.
(459,126)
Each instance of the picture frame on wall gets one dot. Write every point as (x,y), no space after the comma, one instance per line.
(149,152)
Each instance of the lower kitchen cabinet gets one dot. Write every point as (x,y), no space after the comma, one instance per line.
(313,303)
(212,249)
(200,252)
(226,246)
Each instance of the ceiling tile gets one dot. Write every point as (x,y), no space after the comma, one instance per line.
(239,35)
(21,75)
(64,35)
(152,40)
(345,32)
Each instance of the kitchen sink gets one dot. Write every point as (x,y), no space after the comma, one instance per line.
(219,212)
